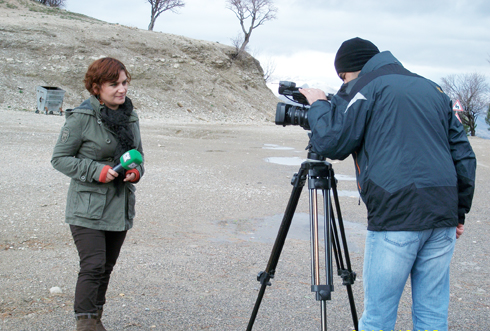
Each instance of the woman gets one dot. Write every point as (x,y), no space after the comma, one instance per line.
(100,202)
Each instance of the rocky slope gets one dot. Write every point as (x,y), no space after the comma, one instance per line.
(173,76)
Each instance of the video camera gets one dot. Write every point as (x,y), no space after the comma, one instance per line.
(288,114)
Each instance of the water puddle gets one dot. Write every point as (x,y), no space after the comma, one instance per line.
(277,147)
(297,161)
(351,194)
(288,161)
(265,230)
(345,177)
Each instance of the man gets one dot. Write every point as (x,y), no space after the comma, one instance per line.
(415,172)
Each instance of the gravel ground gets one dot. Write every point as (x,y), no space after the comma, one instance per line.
(208,211)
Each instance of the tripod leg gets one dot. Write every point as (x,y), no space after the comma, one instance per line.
(327,237)
(315,249)
(347,274)
(323,292)
(324,315)
(320,176)
(323,178)
(265,276)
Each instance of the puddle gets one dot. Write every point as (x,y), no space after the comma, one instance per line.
(351,194)
(288,161)
(345,177)
(265,230)
(277,147)
(297,161)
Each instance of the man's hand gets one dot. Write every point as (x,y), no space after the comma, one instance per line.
(459,230)
(313,94)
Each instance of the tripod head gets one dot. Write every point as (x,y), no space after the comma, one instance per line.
(312,156)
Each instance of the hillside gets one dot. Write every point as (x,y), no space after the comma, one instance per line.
(172,76)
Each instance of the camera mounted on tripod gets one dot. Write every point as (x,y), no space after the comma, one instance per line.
(290,114)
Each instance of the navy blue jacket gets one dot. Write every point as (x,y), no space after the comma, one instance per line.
(414,165)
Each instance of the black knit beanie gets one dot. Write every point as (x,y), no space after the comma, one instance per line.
(353,54)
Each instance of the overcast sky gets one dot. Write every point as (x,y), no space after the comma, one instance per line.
(433,38)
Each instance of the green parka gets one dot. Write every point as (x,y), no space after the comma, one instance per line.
(83,149)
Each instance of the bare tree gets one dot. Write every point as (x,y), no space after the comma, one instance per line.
(237,43)
(159,6)
(472,91)
(256,12)
(487,118)
(269,68)
(52,3)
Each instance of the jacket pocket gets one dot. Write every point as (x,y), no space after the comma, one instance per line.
(131,201)
(90,201)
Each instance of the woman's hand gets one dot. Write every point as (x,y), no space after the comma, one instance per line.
(130,177)
(111,175)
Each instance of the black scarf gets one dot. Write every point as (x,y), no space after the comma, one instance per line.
(117,121)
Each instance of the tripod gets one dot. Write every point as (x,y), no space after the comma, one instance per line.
(320,175)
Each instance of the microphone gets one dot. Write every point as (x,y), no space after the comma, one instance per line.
(129,160)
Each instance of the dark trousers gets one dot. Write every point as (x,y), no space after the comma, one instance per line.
(98,251)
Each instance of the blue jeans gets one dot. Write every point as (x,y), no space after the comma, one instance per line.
(389,258)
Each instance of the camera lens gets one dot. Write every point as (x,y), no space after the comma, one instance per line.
(281,114)
(292,115)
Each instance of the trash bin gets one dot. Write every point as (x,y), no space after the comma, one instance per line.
(49,99)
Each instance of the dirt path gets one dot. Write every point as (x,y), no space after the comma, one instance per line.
(208,211)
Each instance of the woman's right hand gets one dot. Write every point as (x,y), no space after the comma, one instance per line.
(111,175)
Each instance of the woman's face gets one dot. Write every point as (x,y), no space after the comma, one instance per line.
(113,94)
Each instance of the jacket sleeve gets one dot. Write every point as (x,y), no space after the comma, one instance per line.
(465,164)
(66,157)
(337,128)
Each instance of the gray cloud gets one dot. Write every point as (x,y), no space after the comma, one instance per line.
(435,37)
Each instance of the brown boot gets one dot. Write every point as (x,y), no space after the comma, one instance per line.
(86,324)
(99,325)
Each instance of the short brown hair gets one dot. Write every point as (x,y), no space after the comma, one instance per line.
(104,70)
